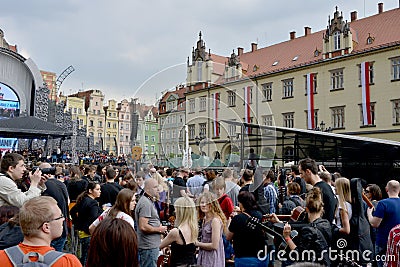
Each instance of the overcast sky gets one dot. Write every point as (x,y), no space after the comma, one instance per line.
(131,48)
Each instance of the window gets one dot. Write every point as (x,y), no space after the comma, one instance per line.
(336,40)
(108,124)
(337,117)
(152,148)
(99,135)
(91,123)
(180,118)
(146,127)
(75,110)
(91,134)
(203,129)
(122,116)
(287,88)
(100,124)
(203,103)
(337,79)
(162,135)
(114,125)
(372,112)
(146,138)
(267,121)
(191,130)
(395,68)
(396,111)
(231,98)
(153,138)
(122,126)
(98,112)
(173,119)
(288,120)
(199,71)
(192,105)
(171,105)
(168,134)
(97,103)
(371,73)
(314,81)
(267,91)
(80,122)
(232,130)
(153,127)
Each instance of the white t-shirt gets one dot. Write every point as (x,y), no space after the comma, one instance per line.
(120,215)
(338,220)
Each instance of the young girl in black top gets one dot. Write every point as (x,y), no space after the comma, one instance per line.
(183,237)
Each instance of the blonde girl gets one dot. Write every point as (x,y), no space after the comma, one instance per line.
(344,211)
(183,237)
(211,247)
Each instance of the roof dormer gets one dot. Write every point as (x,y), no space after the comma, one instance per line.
(338,37)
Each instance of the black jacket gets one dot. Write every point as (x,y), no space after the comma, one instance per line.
(84,213)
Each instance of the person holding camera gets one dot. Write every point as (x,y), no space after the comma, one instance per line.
(57,190)
(12,168)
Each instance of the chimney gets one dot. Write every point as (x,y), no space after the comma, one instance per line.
(307,31)
(292,35)
(253,47)
(353,15)
(380,8)
(240,51)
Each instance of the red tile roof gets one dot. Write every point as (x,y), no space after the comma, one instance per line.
(382,27)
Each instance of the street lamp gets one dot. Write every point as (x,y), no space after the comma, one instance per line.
(322,126)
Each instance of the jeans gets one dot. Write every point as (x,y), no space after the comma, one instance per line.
(250,262)
(148,257)
(379,251)
(58,244)
(85,249)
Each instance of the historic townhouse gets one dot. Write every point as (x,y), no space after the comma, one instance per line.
(124,118)
(344,79)
(111,127)
(171,111)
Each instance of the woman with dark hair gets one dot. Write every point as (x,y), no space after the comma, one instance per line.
(114,243)
(84,213)
(122,209)
(316,237)
(75,184)
(247,241)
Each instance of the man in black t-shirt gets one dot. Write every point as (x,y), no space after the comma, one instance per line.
(57,190)
(110,189)
(309,172)
(179,187)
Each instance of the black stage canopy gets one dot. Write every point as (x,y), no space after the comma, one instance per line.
(30,127)
(375,160)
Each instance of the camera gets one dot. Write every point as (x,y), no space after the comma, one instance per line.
(50,171)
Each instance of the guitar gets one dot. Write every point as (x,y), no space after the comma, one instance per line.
(298,214)
(254,223)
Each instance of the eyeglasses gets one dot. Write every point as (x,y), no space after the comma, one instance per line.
(367,191)
(56,219)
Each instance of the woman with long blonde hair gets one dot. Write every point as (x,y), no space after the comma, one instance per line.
(344,211)
(183,237)
(213,220)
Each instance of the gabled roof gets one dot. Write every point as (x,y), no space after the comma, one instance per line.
(300,51)
(30,127)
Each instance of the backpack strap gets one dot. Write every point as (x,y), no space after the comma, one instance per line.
(52,256)
(16,256)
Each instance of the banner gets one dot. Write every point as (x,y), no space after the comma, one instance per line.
(216,128)
(310,101)
(366,103)
(247,99)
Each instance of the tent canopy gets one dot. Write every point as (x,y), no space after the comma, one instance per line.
(30,127)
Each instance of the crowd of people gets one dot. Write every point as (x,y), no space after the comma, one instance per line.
(181,217)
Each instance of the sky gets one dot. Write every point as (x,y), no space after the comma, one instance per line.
(139,49)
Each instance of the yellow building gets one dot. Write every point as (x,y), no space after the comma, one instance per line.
(352,68)
(111,127)
(76,106)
